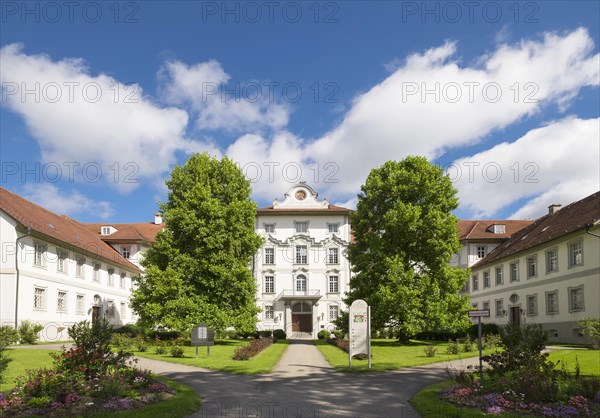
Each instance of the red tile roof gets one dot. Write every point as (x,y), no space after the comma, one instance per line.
(549,227)
(59,227)
(128,232)
(481,230)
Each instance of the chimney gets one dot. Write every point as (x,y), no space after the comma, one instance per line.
(552,209)
(158,218)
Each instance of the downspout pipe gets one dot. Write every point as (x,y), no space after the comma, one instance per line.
(17,281)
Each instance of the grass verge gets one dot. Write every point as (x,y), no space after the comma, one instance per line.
(221,357)
(390,355)
(589,360)
(184,403)
(24,359)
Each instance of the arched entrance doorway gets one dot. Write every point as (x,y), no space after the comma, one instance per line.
(301,317)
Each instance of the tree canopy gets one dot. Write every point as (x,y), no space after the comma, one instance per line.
(405,234)
(198,270)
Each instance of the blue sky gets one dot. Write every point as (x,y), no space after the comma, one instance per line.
(101,99)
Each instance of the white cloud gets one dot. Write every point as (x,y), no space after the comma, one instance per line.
(398,117)
(236,107)
(70,203)
(557,163)
(83,118)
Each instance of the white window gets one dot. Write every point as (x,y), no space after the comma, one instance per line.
(269,312)
(552,302)
(111,279)
(269,284)
(97,272)
(576,299)
(532,308)
(333,255)
(332,228)
(61,260)
(126,251)
(486,305)
(499,307)
(301,284)
(123,310)
(552,260)
(334,284)
(61,302)
(106,230)
(334,312)
(79,266)
(39,258)
(301,227)
(499,277)
(301,254)
(480,251)
(486,279)
(575,253)
(39,298)
(269,228)
(79,302)
(532,266)
(475,281)
(110,309)
(122,280)
(269,255)
(499,229)
(514,272)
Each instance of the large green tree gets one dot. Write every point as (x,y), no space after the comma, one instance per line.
(405,234)
(199,268)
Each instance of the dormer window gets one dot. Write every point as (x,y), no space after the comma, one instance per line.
(497,229)
(106,230)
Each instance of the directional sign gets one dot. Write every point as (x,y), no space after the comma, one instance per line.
(479,313)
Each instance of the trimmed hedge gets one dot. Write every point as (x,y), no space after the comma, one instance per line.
(279,334)
(246,352)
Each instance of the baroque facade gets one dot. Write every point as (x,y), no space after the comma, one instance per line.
(302,270)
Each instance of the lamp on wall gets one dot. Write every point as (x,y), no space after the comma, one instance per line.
(322,315)
(280,316)
(503,312)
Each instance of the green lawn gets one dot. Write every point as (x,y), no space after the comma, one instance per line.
(221,357)
(388,354)
(589,360)
(24,359)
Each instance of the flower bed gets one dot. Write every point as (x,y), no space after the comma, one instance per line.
(521,380)
(511,402)
(246,352)
(85,379)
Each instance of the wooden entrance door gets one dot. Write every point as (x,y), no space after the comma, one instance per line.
(515,316)
(301,323)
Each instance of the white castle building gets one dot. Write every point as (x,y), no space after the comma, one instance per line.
(302,270)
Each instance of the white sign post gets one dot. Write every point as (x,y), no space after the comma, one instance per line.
(359,330)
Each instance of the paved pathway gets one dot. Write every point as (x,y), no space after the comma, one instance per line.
(304,385)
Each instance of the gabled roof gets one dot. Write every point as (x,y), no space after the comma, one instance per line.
(58,227)
(549,227)
(481,229)
(145,231)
